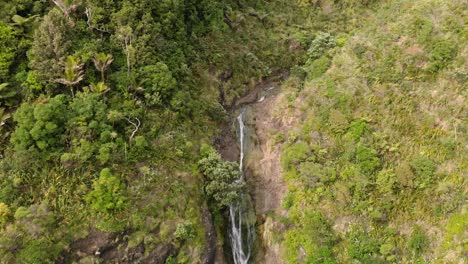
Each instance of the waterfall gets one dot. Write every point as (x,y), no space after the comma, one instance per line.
(240,232)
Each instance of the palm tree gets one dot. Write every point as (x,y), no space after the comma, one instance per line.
(6,94)
(100,88)
(73,73)
(102,62)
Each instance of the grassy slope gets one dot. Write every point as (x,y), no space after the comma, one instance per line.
(377,165)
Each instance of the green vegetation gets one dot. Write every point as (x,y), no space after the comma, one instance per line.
(221,177)
(379,150)
(108,109)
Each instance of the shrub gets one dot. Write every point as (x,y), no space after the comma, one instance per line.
(4,214)
(442,52)
(367,160)
(317,67)
(108,194)
(418,240)
(314,235)
(424,169)
(320,45)
(185,231)
(362,246)
(356,129)
(294,154)
(338,122)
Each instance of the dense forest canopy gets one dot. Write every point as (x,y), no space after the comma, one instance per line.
(109,111)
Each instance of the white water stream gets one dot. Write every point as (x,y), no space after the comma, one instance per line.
(240,233)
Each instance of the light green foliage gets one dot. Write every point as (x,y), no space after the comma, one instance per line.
(222,176)
(30,234)
(382,116)
(4,214)
(356,129)
(317,67)
(8,46)
(319,47)
(32,82)
(294,154)
(311,241)
(337,121)
(108,194)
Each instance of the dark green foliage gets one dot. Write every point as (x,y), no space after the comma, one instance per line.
(442,52)
(222,177)
(424,169)
(367,159)
(40,126)
(158,82)
(108,194)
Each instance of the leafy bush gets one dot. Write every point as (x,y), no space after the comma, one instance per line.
(185,231)
(418,240)
(367,159)
(4,214)
(294,154)
(337,121)
(311,241)
(320,45)
(362,246)
(8,46)
(108,194)
(40,125)
(424,169)
(222,177)
(356,129)
(442,52)
(317,67)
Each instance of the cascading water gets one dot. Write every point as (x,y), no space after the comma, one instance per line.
(241,233)
(241,213)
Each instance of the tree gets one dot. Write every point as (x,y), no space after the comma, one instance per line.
(40,126)
(102,62)
(51,45)
(8,44)
(67,7)
(108,194)
(73,73)
(222,183)
(158,82)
